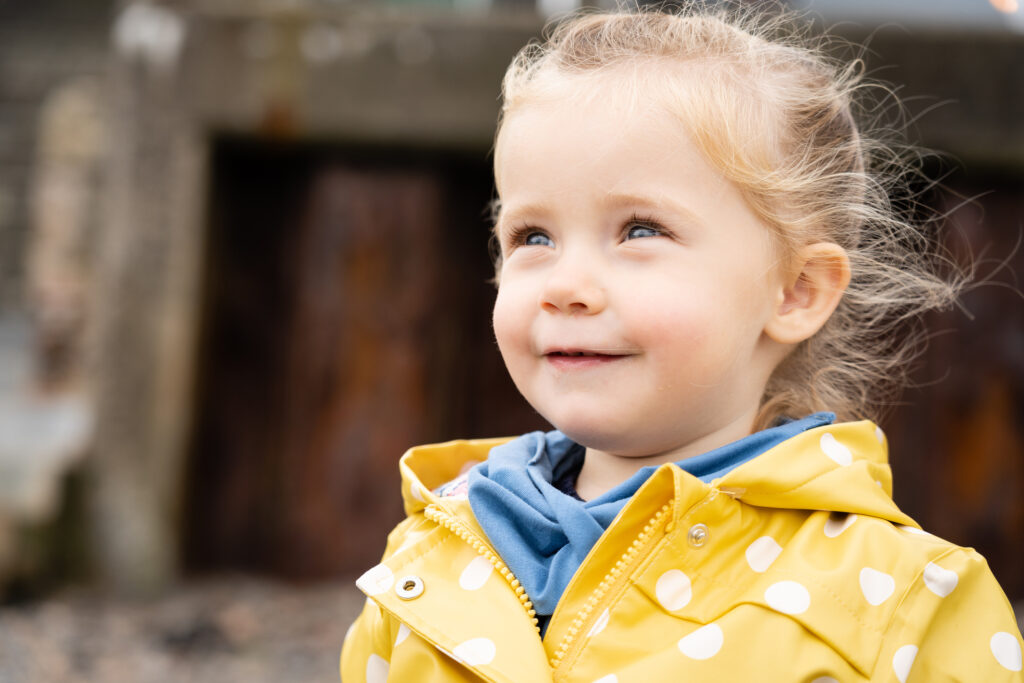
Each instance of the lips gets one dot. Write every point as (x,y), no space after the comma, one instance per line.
(585,350)
(566,359)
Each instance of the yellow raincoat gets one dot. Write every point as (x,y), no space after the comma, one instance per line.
(795,566)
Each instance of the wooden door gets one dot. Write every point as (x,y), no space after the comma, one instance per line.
(348,318)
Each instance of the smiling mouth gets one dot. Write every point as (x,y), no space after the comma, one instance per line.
(581,359)
(575,354)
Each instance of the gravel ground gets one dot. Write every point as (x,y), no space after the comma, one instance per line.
(228,629)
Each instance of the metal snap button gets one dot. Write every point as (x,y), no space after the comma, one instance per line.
(409,587)
(698,535)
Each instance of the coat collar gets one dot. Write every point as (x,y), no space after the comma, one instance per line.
(426,468)
(837,468)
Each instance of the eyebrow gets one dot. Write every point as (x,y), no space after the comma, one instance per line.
(654,203)
(657,203)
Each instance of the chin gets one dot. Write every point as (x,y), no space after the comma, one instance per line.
(580,426)
(602,435)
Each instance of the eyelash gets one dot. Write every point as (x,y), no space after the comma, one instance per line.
(518,235)
(644,221)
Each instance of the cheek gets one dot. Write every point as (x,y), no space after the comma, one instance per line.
(509,320)
(675,320)
(693,335)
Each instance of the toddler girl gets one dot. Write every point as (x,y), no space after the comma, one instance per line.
(700,278)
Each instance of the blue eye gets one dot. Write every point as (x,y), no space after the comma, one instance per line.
(638,230)
(537,239)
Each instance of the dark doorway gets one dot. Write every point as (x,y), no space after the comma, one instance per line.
(346,318)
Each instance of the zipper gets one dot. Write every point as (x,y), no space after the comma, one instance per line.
(621,567)
(435,514)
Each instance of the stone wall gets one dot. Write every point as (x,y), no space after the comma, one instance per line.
(42,44)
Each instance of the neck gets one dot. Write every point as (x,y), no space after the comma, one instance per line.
(603,471)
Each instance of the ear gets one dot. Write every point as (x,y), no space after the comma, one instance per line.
(814,286)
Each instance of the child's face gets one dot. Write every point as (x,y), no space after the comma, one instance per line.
(620,241)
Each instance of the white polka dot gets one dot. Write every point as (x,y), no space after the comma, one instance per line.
(940,581)
(1006,650)
(403,633)
(476,573)
(835,450)
(475,652)
(376,669)
(876,586)
(879,434)
(824,679)
(837,523)
(376,580)
(610,678)
(788,597)
(703,643)
(762,552)
(599,625)
(673,590)
(903,660)
(879,484)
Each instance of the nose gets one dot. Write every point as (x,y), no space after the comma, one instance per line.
(573,288)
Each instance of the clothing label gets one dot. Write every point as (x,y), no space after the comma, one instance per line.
(456,488)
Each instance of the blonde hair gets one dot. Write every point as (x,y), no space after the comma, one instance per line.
(800,135)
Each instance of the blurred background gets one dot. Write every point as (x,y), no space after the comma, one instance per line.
(243,267)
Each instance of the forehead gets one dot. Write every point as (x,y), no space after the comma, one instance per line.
(624,92)
(613,132)
(576,121)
